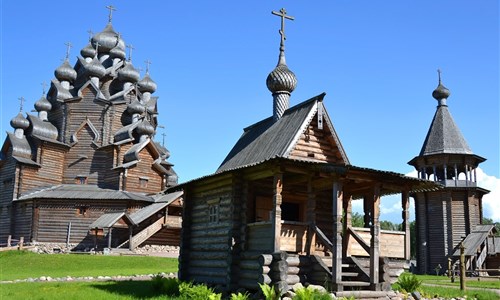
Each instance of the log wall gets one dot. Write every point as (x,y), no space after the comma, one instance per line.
(144,169)
(7,183)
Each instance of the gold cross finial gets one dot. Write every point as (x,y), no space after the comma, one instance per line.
(69,46)
(148,63)
(282,14)
(130,48)
(21,102)
(111,9)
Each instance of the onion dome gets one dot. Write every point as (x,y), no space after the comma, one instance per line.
(19,122)
(147,84)
(135,107)
(107,39)
(65,72)
(281,79)
(117,52)
(43,104)
(95,68)
(128,73)
(88,51)
(145,128)
(441,92)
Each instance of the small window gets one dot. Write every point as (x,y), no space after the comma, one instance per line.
(82,211)
(213,213)
(143,182)
(81,180)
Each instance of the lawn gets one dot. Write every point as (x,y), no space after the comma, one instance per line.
(24,264)
(442,286)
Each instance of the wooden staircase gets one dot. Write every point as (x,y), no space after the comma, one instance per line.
(354,276)
(144,234)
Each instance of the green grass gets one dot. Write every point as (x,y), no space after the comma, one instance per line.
(24,264)
(486,283)
(449,292)
(80,290)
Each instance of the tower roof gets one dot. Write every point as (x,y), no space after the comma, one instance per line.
(443,136)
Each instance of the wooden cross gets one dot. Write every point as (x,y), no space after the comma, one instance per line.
(111,9)
(163,139)
(44,86)
(148,63)
(439,75)
(69,46)
(130,48)
(21,101)
(283,15)
(91,34)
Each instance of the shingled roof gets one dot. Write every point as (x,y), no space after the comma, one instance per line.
(444,136)
(269,139)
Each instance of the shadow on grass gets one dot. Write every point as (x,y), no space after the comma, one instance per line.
(134,289)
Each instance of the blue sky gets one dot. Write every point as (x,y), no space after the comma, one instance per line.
(376,60)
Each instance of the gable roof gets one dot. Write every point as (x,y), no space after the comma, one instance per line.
(269,139)
(475,239)
(444,136)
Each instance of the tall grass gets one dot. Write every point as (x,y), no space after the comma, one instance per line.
(24,264)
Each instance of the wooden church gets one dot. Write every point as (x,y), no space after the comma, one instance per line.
(85,170)
(278,208)
(453,214)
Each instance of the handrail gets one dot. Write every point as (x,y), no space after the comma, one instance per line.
(323,238)
(358,238)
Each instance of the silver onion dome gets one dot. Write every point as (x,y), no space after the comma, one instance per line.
(135,107)
(19,122)
(95,68)
(65,72)
(43,104)
(281,79)
(117,52)
(107,39)
(128,73)
(88,51)
(145,128)
(147,84)
(441,92)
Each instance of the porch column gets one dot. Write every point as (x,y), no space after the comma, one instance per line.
(110,230)
(405,203)
(277,199)
(347,208)
(337,237)
(366,211)
(375,238)
(311,217)
(130,236)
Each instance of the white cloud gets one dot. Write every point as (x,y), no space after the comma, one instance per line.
(491,201)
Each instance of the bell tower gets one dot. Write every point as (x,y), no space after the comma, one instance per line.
(444,217)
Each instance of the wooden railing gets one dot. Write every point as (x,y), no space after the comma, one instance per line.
(323,238)
(146,233)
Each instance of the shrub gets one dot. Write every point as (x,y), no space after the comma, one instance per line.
(269,292)
(240,296)
(408,283)
(310,294)
(168,286)
(190,291)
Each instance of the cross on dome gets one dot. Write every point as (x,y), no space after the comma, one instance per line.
(68,47)
(148,63)
(282,14)
(44,86)
(21,102)
(130,48)
(111,9)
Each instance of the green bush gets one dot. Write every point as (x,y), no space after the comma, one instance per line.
(269,292)
(167,286)
(190,291)
(240,296)
(408,283)
(310,294)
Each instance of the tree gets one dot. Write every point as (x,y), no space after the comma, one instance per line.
(488,221)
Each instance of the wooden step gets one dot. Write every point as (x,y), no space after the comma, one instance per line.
(350,274)
(355,283)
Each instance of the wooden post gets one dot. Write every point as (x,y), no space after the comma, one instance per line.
(110,229)
(347,209)
(277,199)
(405,203)
(130,238)
(9,240)
(311,217)
(462,266)
(96,231)
(337,237)
(375,239)
(68,235)
(21,242)
(451,273)
(366,211)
